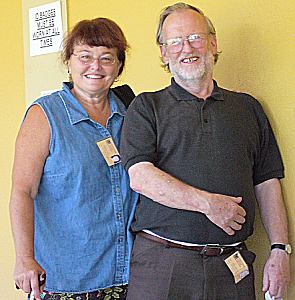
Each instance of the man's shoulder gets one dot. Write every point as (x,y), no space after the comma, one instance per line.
(154,94)
(235,95)
(151,97)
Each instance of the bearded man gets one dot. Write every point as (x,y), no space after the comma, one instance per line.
(200,156)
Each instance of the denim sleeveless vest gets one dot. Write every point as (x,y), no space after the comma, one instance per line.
(83,207)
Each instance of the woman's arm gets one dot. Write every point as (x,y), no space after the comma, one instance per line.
(31,151)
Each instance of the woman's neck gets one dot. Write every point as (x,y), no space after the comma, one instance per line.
(97,105)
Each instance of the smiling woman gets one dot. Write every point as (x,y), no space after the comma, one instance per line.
(93,71)
(71,202)
(85,33)
(94,52)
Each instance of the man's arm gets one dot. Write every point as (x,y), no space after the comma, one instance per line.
(32,147)
(222,210)
(273,213)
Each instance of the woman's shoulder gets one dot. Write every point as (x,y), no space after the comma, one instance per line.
(50,98)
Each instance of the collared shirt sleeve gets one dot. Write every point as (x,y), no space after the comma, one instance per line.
(269,163)
(138,140)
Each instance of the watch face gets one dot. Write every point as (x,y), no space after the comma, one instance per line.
(288,249)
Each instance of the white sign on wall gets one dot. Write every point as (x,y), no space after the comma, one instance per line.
(46,33)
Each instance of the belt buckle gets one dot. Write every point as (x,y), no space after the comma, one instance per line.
(208,247)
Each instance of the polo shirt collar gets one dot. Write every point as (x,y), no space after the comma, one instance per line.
(184,95)
(76,112)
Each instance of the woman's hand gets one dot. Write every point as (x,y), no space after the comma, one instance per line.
(27,276)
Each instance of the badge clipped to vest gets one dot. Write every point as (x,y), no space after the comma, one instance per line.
(237,266)
(109,151)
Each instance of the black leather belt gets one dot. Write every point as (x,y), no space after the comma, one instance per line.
(208,250)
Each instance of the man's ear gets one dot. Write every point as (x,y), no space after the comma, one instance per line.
(213,43)
(164,54)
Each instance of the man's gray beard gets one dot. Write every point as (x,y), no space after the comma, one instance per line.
(197,73)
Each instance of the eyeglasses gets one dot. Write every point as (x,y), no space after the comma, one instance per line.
(196,40)
(88,59)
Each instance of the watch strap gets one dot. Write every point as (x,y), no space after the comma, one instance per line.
(285,247)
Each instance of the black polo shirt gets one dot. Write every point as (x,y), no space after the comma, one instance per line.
(223,145)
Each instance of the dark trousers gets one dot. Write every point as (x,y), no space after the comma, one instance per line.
(161,273)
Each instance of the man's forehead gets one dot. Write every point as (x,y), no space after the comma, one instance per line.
(183,21)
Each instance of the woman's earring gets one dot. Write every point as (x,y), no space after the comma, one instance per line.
(70,75)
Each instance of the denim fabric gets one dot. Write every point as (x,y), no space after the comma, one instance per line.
(83,207)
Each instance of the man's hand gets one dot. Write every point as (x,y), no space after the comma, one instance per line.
(276,276)
(225,212)
(26,276)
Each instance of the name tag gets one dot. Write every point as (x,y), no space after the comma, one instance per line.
(237,266)
(109,151)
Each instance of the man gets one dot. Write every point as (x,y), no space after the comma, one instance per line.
(200,156)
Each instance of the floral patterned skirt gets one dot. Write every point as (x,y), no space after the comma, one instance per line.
(116,292)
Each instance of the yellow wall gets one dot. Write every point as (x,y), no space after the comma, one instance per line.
(257,39)
(12,104)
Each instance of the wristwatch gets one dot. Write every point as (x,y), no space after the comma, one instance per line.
(285,247)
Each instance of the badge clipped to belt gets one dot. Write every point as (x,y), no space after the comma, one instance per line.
(237,266)
(109,151)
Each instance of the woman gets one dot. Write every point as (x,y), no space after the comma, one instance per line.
(71,203)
